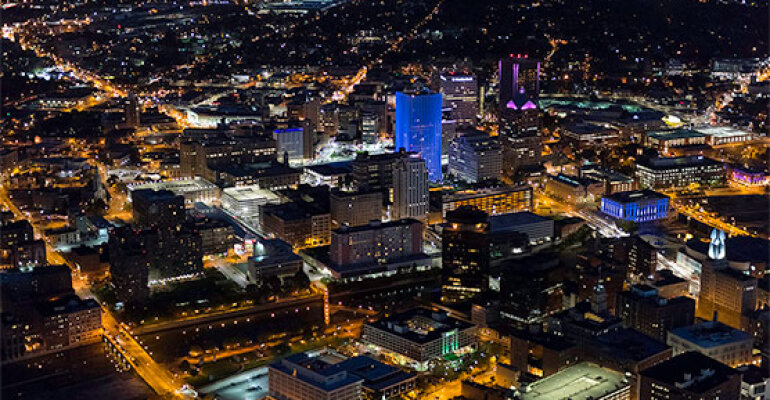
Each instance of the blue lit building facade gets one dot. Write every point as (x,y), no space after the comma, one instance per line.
(636,206)
(418,128)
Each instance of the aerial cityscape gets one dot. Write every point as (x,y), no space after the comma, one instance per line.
(385,200)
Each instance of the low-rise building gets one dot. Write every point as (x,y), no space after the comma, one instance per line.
(637,206)
(664,141)
(613,181)
(679,172)
(300,225)
(304,376)
(194,190)
(328,375)
(541,354)
(584,381)
(333,175)
(573,189)
(493,201)
(69,321)
(586,135)
(272,257)
(246,201)
(63,237)
(755,382)
(713,339)
(687,376)
(420,335)
(538,229)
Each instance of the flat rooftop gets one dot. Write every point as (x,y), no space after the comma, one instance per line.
(177,185)
(336,168)
(633,196)
(675,134)
(472,194)
(504,222)
(250,192)
(583,381)
(710,334)
(687,371)
(676,162)
(723,131)
(420,325)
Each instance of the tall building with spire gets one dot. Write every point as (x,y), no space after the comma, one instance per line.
(518,74)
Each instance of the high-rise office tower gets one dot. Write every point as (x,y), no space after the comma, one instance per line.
(517,75)
(520,118)
(475,156)
(410,189)
(531,289)
(460,93)
(465,255)
(418,128)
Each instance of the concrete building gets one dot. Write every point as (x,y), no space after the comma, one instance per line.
(195,190)
(272,257)
(245,202)
(69,321)
(689,376)
(160,208)
(666,141)
(679,172)
(755,382)
(573,189)
(269,175)
(729,292)
(493,201)
(410,189)
(642,309)
(420,335)
(334,175)
(304,376)
(475,156)
(377,249)
(329,375)
(355,208)
(583,135)
(538,229)
(217,236)
(296,142)
(636,206)
(584,381)
(301,225)
(713,339)
(201,157)
(613,181)
(541,354)
(375,171)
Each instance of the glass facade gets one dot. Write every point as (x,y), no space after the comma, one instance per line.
(418,128)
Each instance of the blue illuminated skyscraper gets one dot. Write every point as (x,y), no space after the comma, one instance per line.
(418,128)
